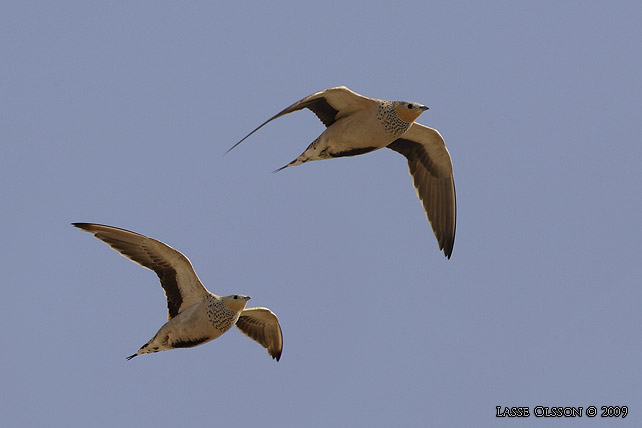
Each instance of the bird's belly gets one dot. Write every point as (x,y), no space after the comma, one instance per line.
(187,329)
(354,140)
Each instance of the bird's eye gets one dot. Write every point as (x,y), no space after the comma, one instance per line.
(409,105)
(236,297)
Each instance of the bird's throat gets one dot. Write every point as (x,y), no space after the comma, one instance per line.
(406,114)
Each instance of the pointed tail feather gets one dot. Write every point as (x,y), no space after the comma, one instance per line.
(280,169)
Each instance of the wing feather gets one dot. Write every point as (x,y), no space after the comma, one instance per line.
(262,325)
(177,276)
(329,105)
(431,169)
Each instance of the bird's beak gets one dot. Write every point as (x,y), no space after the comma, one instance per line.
(247,297)
(424,108)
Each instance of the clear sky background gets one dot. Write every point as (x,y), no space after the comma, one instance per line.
(119,113)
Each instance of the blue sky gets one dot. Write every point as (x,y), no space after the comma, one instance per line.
(120,113)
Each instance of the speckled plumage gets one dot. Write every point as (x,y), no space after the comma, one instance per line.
(219,315)
(195,316)
(390,120)
(357,124)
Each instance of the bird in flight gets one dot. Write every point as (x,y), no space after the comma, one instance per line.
(196,316)
(356,124)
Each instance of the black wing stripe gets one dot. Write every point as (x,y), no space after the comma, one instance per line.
(324,111)
(166,273)
(431,183)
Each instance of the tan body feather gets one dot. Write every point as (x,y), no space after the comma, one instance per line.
(357,124)
(196,316)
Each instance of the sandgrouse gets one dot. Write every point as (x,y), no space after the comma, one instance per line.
(357,124)
(196,316)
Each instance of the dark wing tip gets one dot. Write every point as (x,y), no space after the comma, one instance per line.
(234,146)
(448,251)
(447,242)
(255,129)
(276,355)
(91,227)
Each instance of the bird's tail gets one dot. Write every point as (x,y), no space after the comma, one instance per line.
(131,356)
(281,169)
(303,158)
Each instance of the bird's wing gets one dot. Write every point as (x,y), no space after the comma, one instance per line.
(181,284)
(329,105)
(263,326)
(432,173)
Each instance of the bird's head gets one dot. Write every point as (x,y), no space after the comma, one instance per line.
(409,111)
(236,302)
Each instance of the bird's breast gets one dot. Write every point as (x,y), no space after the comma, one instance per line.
(220,316)
(390,121)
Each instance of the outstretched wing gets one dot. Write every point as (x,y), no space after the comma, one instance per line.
(263,326)
(431,169)
(181,284)
(329,105)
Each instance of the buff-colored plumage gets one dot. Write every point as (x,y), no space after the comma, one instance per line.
(356,124)
(195,315)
